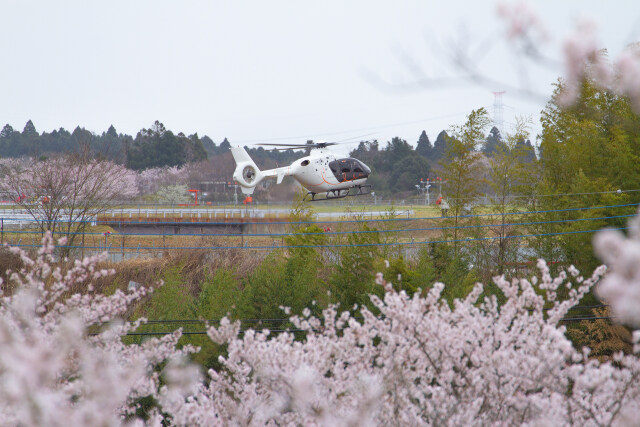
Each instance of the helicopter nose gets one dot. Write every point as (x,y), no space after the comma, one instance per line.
(366,169)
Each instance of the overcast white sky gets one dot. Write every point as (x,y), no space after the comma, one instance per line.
(276,71)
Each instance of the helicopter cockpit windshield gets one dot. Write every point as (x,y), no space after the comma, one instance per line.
(348,169)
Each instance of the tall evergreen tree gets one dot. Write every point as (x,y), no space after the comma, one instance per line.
(208,145)
(493,143)
(111,132)
(29,141)
(82,136)
(7,131)
(424,147)
(29,130)
(527,150)
(408,172)
(396,150)
(439,147)
(9,140)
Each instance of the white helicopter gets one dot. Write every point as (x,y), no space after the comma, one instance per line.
(321,172)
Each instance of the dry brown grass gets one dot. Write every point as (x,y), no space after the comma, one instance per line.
(144,271)
(602,336)
(8,262)
(195,266)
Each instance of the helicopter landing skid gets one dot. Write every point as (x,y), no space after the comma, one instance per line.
(361,190)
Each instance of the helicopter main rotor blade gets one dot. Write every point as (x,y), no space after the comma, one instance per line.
(292,146)
(287,145)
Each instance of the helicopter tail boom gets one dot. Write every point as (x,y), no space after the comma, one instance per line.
(247,173)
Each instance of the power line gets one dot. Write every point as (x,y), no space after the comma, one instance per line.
(445,116)
(577,194)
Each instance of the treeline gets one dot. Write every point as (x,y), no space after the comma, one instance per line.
(151,148)
(398,166)
(154,147)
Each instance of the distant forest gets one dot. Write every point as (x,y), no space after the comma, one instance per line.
(397,166)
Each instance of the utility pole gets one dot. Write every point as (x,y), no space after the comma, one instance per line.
(235,194)
(424,187)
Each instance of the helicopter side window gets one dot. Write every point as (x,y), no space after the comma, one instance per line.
(341,169)
(346,169)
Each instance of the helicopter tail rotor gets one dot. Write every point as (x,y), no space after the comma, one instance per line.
(247,173)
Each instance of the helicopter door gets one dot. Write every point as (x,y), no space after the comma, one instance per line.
(348,169)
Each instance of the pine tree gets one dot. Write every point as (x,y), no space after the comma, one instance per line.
(424,147)
(7,131)
(493,143)
(439,147)
(30,130)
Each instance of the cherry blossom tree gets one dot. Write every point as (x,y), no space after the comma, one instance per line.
(421,362)
(582,55)
(150,180)
(62,359)
(621,287)
(65,194)
(416,360)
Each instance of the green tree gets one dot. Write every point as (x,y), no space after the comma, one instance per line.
(493,143)
(510,175)
(424,147)
(209,146)
(7,131)
(195,149)
(396,150)
(225,145)
(157,147)
(439,147)
(29,141)
(353,279)
(9,141)
(29,130)
(407,172)
(586,151)
(290,278)
(462,168)
(527,151)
